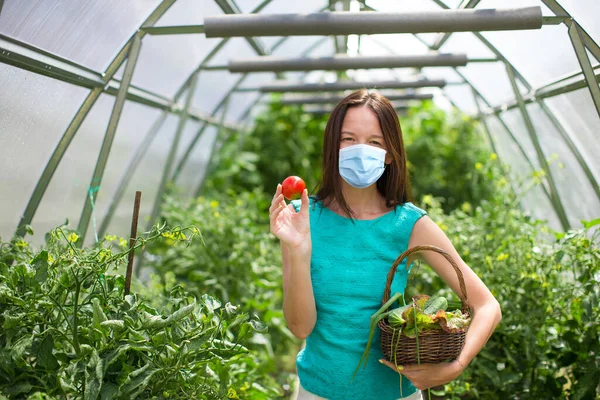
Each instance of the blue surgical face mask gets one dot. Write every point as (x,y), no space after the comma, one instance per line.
(361,165)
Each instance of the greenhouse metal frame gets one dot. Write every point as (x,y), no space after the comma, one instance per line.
(18,53)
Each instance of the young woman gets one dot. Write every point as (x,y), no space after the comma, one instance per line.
(337,248)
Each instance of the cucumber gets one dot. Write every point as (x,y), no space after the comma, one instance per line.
(435,304)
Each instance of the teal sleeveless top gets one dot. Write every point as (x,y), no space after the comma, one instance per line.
(349,266)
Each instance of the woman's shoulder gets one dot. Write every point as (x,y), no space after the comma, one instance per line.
(410,208)
(408,213)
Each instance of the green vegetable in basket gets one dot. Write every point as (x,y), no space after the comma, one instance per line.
(435,304)
(395,318)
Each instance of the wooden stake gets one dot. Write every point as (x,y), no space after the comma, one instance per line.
(132,237)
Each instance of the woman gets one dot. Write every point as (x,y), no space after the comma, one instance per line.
(337,248)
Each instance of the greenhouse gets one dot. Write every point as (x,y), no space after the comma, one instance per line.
(143,145)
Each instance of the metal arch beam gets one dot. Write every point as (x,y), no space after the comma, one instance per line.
(554,196)
(65,141)
(504,125)
(589,43)
(584,62)
(111,130)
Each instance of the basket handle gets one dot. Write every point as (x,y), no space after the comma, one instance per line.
(416,249)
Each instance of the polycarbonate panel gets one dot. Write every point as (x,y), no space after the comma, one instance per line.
(577,114)
(213,86)
(462,97)
(165,62)
(70,186)
(239,103)
(146,178)
(467,43)
(534,200)
(574,188)
(301,46)
(491,79)
(235,48)
(515,122)
(195,169)
(190,130)
(189,12)
(401,44)
(541,56)
(34,114)
(89,32)
(293,7)
(248,6)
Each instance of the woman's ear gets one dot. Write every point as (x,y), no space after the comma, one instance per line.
(388,159)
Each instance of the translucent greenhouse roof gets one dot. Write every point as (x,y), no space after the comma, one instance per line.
(107,97)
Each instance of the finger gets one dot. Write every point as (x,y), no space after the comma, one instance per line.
(305,203)
(414,367)
(276,203)
(276,213)
(277,191)
(391,365)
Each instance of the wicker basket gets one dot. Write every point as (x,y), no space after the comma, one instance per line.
(434,346)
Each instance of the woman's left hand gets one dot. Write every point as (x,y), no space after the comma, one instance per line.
(425,376)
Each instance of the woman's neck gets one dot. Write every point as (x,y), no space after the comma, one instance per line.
(364,202)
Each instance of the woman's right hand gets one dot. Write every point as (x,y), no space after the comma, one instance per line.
(291,227)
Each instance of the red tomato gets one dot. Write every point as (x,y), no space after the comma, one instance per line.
(292,187)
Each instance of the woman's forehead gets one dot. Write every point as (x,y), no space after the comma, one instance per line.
(360,116)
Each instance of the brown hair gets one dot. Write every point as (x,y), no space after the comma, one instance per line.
(394,184)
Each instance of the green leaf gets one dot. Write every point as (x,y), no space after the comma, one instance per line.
(258,326)
(592,223)
(136,382)
(109,391)
(211,303)
(45,357)
(115,324)
(99,315)
(94,375)
(40,262)
(17,388)
(22,345)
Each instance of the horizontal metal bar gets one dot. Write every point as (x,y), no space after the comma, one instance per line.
(483,60)
(337,99)
(286,86)
(214,68)
(344,62)
(174,30)
(365,23)
(27,57)
(554,20)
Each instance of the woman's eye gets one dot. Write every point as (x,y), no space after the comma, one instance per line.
(375,142)
(346,139)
